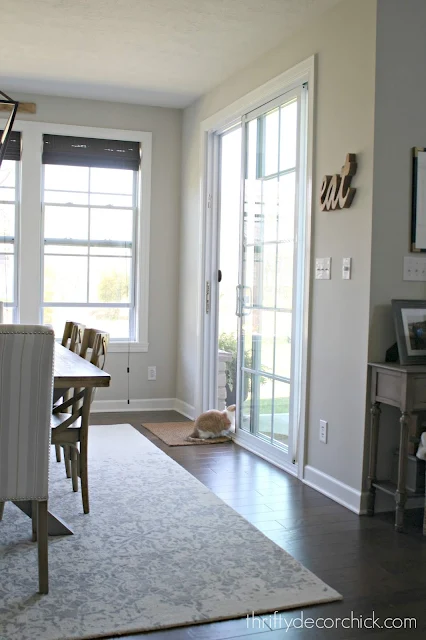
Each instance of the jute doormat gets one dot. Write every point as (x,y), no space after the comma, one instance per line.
(175,434)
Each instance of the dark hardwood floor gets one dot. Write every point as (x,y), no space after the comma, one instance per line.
(373,567)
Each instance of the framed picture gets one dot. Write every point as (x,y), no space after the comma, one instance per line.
(410,327)
(418,206)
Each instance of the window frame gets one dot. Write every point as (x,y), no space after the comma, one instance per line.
(16,244)
(29,271)
(132,304)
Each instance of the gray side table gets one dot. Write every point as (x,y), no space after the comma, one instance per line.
(402,386)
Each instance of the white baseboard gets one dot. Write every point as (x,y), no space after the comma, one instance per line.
(154,404)
(332,488)
(184,408)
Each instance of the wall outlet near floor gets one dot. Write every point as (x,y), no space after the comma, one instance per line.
(323,431)
(152,372)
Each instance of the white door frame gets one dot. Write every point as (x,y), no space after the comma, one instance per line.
(206,344)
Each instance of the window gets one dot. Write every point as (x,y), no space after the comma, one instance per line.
(90,217)
(9,202)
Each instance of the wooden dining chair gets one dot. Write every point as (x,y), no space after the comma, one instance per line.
(71,339)
(73,336)
(26,373)
(71,431)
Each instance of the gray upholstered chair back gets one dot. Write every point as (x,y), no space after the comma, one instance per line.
(26,383)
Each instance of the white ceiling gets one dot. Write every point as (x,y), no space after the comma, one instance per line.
(158,52)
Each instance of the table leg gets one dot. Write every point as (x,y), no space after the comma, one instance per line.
(401,490)
(56,526)
(84,433)
(374,439)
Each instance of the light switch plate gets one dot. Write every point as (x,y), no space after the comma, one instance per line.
(346,268)
(323,434)
(414,269)
(323,268)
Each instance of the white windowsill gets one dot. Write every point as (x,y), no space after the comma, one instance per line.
(125,347)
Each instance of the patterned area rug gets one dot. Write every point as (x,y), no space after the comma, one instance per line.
(157,550)
(175,434)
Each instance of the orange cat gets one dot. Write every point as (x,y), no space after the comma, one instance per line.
(214,424)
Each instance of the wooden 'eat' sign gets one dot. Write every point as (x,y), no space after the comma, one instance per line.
(336,191)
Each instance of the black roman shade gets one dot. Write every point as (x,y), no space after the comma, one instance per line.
(13,151)
(91,152)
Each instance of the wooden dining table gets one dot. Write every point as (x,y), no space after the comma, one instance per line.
(70,372)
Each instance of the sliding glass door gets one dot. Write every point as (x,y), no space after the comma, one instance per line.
(267,267)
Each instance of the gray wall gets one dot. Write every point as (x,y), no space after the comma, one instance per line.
(400,124)
(165,125)
(344,41)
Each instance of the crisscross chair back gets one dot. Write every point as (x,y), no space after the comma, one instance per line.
(71,339)
(70,431)
(95,346)
(26,385)
(73,336)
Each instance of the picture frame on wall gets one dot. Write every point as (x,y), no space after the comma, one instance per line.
(410,326)
(418,206)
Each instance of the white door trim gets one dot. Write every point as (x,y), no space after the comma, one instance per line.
(302,72)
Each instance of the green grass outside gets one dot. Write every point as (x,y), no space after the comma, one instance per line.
(265,405)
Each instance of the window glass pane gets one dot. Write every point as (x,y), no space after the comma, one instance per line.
(7,220)
(6,276)
(8,315)
(116,252)
(5,247)
(288,136)
(7,175)
(111,181)
(285,275)
(111,225)
(270,160)
(252,211)
(283,345)
(66,222)
(286,206)
(115,321)
(66,178)
(107,200)
(65,279)
(259,327)
(66,197)
(281,411)
(270,209)
(110,280)
(7,194)
(64,249)
(267,258)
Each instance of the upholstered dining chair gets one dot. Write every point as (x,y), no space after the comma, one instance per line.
(26,375)
(71,431)
(71,339)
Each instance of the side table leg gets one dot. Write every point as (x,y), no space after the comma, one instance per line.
(424,514)
(401,490)
(374,439)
